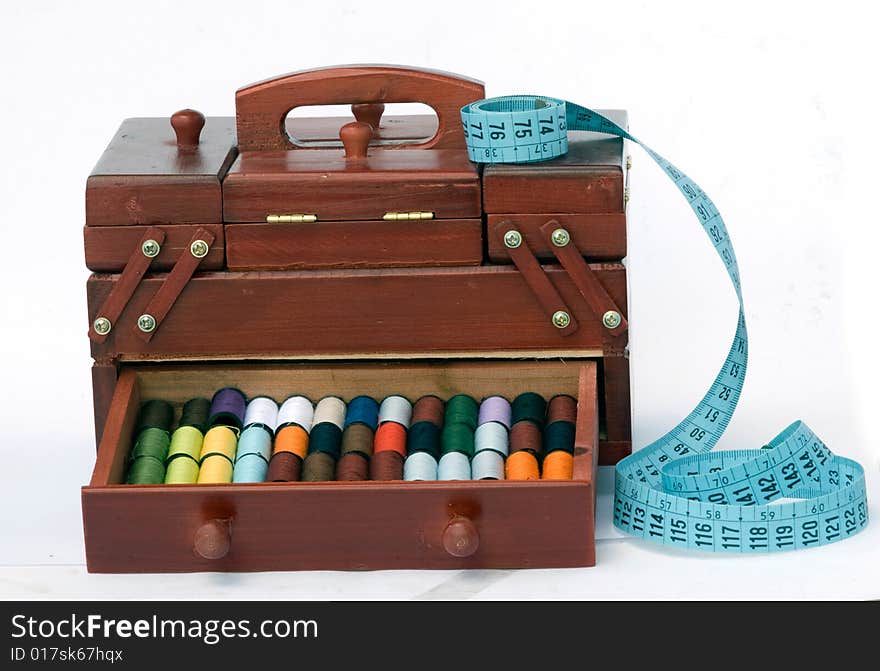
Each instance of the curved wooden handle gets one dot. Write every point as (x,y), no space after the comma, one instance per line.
(261,109)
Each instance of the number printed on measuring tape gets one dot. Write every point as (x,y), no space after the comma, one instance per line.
(792,493)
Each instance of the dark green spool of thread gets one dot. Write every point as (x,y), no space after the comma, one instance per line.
(154,414)
(559,436)
(146,470)
(528,406)
(195,413)
(151,443)
(327,438)
(423,437)
(462,409)
(457,438)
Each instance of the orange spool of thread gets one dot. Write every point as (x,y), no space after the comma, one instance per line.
(390,436)
(294,439)
(558,465)
(522,465)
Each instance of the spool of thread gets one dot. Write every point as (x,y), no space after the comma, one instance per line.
(362,410)
(559,436)
(284,467)
(228,407)
(215,469)
(525,435)
(491,436)
(292,438)
(182,463)
(459,438)
(152,442)
(318,467)
(461,409)
(528,406)
(428,408)
(487,465)
(562,408)
(454,466)
(521,465)
(330,409)
(181,469)
(146,470)
(424,436)
(326,437)
(262,411)
(395,409)
(352,467)
(358,439)
(420,466)
(250,467)
(390,436)
(154,414)
(558,465)
(386,465)
(494,409)
(196,412)
(217,455)
(296,410)
(255,439)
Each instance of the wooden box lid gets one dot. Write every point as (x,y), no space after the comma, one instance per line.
(161,171)
(588,179)
(368,174)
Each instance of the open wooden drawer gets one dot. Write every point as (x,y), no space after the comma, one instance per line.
(340,525)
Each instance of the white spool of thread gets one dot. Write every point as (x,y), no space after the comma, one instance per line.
(261,410)
(487,465)
(395,409)
(330,409)
(454,466)
(420,466)
(297,410)
(492,436)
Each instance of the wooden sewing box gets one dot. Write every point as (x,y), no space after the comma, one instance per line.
(364,255)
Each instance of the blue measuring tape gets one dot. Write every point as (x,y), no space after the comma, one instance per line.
(792,493)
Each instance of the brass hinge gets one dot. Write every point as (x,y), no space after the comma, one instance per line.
(291,219)
(407,216)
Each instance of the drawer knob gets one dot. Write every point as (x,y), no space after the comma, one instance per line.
(213,539)
(461,538)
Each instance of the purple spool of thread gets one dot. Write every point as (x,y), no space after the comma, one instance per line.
(494,409)
(228,407)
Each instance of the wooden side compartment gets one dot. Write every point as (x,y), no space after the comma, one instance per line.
(335,525)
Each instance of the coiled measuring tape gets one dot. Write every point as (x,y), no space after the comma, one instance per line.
(792,493)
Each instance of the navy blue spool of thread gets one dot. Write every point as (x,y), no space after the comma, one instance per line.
(362,410)
(423,437)
(326,437)
(228,407)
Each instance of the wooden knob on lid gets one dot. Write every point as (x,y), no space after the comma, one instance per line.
(187,125)
(212,539)
(355,137)
(369,113)
(461,538)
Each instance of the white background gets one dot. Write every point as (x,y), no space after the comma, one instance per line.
(770,107)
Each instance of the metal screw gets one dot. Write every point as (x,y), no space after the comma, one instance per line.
(512,239)
(611,319)
(626,194)
(629,161)
(146,323)
(561,319)
(560,237)
(199,248)
(102,326)
(150,248)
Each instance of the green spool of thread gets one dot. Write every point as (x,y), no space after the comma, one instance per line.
(181,470)
(462,409)
(186,441)
(196,412)
(528,406)
(457,438)
(146,470)
(154,414)
(151,443)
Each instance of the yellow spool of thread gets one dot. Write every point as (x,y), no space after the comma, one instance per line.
(217,455)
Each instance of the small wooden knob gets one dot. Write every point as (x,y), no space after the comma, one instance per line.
(212,539)
(369,113)
(461,538)
(355,137)
(187,125)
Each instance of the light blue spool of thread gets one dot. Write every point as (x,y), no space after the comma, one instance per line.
(252,455)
